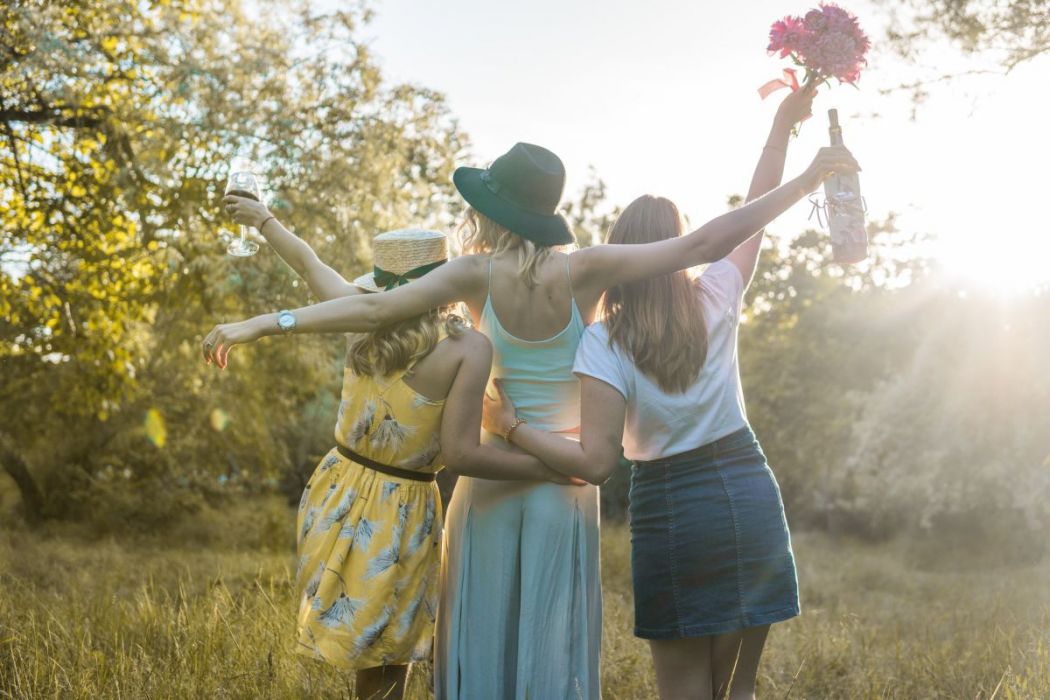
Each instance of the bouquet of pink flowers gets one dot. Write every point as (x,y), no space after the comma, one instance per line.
(827,42)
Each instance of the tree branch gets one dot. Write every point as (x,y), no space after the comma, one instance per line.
(48,116)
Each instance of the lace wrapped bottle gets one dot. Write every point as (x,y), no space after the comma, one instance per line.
(844,208)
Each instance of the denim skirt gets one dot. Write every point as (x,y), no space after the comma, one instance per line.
(710,548)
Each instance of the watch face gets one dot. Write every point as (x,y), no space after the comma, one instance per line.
(286,320)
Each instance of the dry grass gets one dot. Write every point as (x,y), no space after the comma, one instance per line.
(144,620)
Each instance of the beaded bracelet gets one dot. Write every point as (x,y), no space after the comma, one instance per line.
(518,421)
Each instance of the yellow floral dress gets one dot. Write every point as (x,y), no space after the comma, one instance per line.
(369,543)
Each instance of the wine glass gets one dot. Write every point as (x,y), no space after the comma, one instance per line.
(244,181)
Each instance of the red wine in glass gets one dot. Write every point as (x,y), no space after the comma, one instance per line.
(243,182)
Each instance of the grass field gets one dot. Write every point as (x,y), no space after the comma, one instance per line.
(137,619)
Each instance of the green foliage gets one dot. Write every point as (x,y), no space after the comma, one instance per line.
(589,216)
(119,119)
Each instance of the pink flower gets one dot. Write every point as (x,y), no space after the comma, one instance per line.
(827,41)
(815,21)
(785,35)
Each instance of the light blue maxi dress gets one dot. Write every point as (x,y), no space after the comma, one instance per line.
(521,607)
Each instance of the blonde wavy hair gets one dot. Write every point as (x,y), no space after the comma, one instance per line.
(400,345)
(659,322)
(482,235)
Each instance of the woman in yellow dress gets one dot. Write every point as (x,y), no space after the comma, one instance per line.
(369,522)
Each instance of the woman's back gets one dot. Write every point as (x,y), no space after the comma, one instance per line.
(535,331)
(661,423)
(396,419)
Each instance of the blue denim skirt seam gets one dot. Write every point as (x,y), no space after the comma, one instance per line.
(736,540)
(671,544)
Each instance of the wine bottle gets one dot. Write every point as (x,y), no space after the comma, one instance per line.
(845,208)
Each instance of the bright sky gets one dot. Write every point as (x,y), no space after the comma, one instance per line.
(660,97)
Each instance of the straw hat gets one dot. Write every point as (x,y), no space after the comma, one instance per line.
(403,255)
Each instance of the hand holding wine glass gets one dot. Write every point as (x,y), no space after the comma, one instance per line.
(246,211)
(243,186)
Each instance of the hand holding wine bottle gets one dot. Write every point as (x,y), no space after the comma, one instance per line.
(829,161)
(845,207)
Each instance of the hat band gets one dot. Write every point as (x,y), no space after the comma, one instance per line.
(389,280)
(496,187)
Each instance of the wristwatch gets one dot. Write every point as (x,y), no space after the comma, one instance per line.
(286,321)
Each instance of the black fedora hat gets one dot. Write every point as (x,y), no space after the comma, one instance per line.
(521,191)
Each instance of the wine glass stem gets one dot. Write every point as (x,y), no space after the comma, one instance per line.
(244,235)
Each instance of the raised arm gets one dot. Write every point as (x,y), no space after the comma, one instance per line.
(770,170)
(603,266)
(324,282)
(461,448)
(598,451)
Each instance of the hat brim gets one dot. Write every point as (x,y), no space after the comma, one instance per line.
(367,282)
(545,229)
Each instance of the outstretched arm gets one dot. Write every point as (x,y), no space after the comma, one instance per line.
(323,281)
(603,266)
(598,451)
(461,448)
(461,279)
(770,170)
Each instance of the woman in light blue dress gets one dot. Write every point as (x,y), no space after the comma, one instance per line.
(521,605)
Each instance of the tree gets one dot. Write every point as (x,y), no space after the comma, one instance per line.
(816,338)
(1014,31)
(119,118)
(891,403)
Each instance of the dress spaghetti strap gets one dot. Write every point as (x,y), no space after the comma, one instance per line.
(488,291)
(568,275)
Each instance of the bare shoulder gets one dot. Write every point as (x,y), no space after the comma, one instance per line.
(587,263)
(469,274)
(469,268)
(471,344)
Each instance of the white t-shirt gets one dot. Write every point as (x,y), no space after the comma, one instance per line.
(660,424)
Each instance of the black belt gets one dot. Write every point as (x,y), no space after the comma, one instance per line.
(385,468)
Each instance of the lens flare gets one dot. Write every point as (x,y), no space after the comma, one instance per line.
(156,431)
(219,419)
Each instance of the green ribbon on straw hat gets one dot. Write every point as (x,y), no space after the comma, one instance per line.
(389,280)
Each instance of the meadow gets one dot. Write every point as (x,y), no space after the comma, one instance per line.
(207,612)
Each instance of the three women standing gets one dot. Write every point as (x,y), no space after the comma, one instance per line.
(521,609)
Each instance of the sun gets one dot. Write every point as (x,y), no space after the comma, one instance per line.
(998,247)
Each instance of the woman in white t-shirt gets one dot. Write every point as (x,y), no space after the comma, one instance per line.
(711,553)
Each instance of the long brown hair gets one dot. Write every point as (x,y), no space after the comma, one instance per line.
(659,322)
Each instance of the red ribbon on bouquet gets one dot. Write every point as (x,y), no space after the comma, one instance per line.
(790,80)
